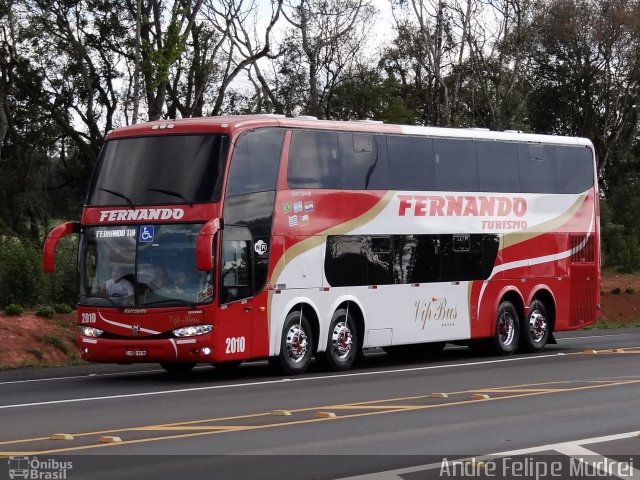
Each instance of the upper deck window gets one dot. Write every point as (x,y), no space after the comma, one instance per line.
(159,170)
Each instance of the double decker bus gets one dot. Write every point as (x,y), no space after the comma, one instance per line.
(225,239)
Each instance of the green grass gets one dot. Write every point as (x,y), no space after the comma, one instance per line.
(605,323)
(58,343)
(36,353)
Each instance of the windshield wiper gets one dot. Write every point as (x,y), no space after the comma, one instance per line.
(172,193)
(112,302)
(118,194)
(170,300)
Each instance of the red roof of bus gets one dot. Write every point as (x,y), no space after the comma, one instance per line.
(232,123)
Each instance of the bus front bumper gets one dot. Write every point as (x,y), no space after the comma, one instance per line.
(192,349)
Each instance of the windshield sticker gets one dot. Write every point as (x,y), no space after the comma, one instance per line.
(146,233)
(206,293)
(116,233)
(260,247)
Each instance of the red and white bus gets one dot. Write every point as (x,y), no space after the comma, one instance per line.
(226,239)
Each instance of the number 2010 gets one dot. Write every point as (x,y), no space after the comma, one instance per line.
(235,344)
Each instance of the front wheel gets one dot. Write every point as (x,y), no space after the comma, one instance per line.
(507,329)
(296,346)
(342,344)
(534,333)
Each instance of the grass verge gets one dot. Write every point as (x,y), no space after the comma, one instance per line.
(605,323)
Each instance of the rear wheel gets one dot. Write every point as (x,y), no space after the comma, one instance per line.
(296,345)
(507,329)
(534,333)
(342,344)
(177,368)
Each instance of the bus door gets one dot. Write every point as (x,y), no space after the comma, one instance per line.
(237,305)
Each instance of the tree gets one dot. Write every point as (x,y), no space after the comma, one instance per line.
(587,73)
(324,39)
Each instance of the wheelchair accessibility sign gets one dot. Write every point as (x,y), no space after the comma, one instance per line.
(146,233)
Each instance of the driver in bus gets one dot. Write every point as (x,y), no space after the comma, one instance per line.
(117,285)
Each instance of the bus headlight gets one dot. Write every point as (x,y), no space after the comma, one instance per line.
(192,330)
(89,331)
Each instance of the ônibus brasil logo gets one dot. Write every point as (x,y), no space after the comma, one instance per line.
(36,469)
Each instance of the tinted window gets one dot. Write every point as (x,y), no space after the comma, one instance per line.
(363,161)
(498,166)
(167,169)
(313,160)
(456,165)
(537,171)
(574,167)
(346,260)
(254,210)
(236,264)
(411,165)
(254,167)
(418,258)
(353,260)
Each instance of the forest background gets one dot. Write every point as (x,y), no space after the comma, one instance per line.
(70,71)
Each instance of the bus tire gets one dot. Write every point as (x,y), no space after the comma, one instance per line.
(535,330)
(342,344)
(296,346)
(507,329)
(178,368)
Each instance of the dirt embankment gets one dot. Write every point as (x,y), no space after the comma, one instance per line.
(29,340)
(620,297)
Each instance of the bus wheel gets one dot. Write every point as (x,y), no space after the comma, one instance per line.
(342,344)
(505,337)
(535,330)
(178,368)
(296,345)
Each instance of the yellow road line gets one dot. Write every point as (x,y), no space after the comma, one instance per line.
(230,428)
(218,429)
(521,390)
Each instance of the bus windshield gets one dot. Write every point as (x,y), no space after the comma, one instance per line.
(159,170)
(146,265)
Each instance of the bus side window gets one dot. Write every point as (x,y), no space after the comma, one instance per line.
(235,265)
(313,160)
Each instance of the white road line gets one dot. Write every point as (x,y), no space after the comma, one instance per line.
(283,380)
(573,449)
(91,375)
(555,446)
(134,372)
(598,463)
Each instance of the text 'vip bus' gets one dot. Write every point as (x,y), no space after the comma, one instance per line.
(226,239)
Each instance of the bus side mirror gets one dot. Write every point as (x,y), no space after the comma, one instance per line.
(50,244)
(204,244)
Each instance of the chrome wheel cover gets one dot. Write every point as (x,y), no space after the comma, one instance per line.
(341,340)
(537,326)
(296,343)
(506,329)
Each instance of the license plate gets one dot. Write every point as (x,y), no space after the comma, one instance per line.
(135,353)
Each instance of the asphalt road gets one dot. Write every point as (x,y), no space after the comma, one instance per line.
(139,422)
